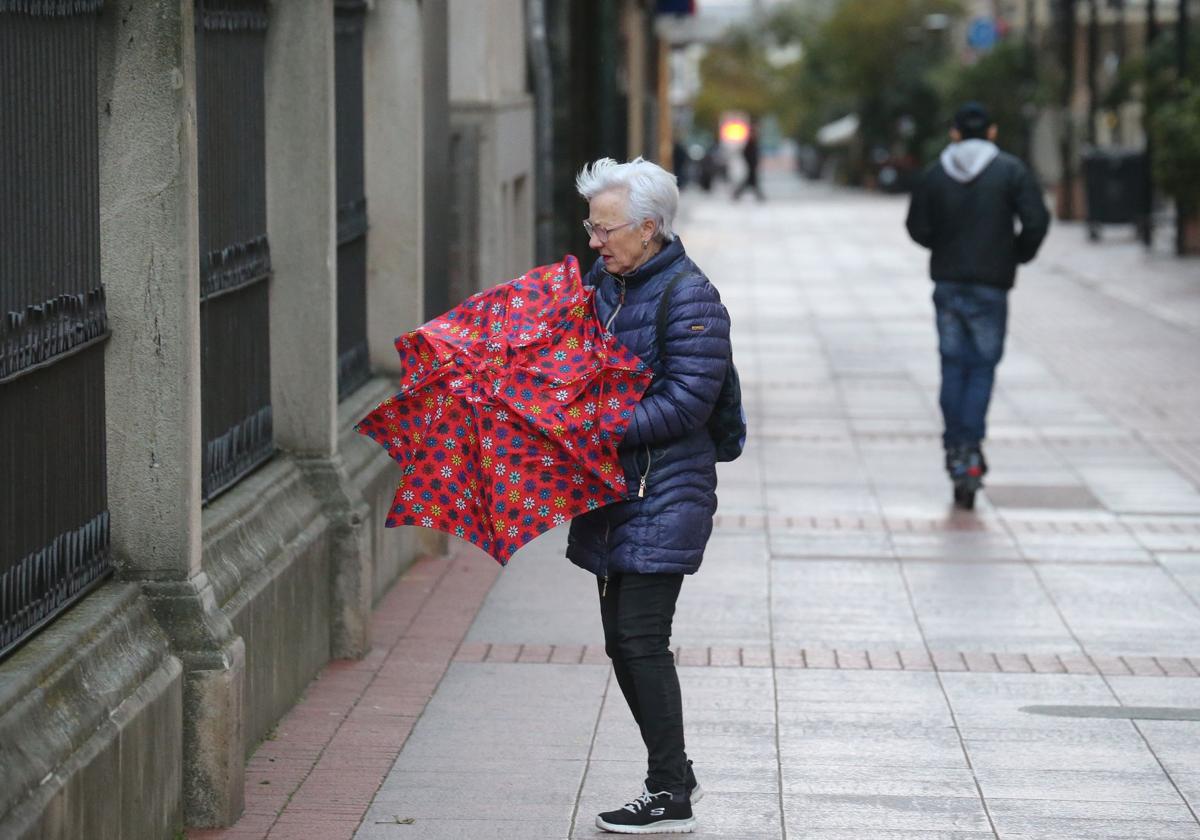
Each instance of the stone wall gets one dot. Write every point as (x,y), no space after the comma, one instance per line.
(132,715)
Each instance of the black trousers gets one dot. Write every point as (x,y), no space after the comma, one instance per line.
(637,611)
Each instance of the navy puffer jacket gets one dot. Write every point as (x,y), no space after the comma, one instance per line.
(667,442)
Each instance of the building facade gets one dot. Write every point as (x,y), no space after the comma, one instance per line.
(219,214)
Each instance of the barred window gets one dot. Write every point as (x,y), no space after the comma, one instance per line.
(235,259)
(353,363)
(54,537)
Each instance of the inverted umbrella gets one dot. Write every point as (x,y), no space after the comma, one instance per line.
(509,412)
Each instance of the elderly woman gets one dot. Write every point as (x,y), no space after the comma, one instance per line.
(641,548)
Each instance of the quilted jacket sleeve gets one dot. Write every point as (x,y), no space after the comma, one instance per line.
(697,353)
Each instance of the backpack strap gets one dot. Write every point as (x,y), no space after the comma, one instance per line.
(660,326)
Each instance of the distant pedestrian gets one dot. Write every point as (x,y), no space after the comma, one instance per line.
(640,549)
(750,154)
(964,210)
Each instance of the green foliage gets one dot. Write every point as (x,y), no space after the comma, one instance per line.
(875,58)
(734,75)
(1001,80)
(1175,129)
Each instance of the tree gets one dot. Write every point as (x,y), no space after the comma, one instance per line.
(876,58)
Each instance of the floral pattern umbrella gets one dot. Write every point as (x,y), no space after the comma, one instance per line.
(509,413)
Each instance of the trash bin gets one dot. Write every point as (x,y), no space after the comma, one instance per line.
(1115,182)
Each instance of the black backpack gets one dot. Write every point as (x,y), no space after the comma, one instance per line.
(727,423)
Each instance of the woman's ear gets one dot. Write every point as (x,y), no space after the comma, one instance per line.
(647,229)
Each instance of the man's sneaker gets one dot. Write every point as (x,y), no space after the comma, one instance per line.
(694,792)
(650,813)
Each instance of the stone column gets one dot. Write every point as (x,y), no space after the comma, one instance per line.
(302,229)
(392,103)
(302,224)
(150,267)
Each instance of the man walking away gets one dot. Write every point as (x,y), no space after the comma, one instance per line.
(750,154)
(964,210)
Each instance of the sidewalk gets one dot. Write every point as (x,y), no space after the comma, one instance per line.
(858,661)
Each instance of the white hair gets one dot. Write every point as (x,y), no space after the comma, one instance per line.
(650,190)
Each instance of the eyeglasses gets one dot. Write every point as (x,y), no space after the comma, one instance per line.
(601,233)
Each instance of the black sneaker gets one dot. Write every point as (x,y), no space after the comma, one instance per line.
(650,813)
(694,792)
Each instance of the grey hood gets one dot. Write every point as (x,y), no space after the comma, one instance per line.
(963,161)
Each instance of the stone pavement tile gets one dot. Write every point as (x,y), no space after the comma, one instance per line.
(868,780)
(1176,743)
(799,544)
(1185,568)
(863,745)
(842,604)
(1176,534)
(536,791)
(787,464)
(1136,611)
(1125,821)
(1077,785)
(908,698)
(1148,691)
(726,603)
(1115,754)
(385,827)
(808,814)
(1157,489)
(540,598)
(985,608)
(821,500)
(567,654)
(307,827)
(959,547)
(722,691)
(1003,695)
(1189,787)
(859,833)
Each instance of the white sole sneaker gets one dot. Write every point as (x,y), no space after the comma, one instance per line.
(662,827)
(697,794)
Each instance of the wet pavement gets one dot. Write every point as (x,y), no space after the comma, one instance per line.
(858,660)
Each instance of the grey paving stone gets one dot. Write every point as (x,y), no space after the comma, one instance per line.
(1176,744)
(1185,568)
(1078,785)
(481,795)
(859,833)
(842,604)
(986,607)
(378,828)
(1125,610)
(809,813)
(800,545)
(1018,827)
(541,598)
(1155,691)
(868,780)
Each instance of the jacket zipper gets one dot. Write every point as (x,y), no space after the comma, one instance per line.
(620,302)
(644,477)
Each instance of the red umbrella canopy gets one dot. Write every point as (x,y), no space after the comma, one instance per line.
(509,413)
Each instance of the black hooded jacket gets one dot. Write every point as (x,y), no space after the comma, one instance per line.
(968,220)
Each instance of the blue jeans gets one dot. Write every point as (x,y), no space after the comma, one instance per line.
(971,320)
